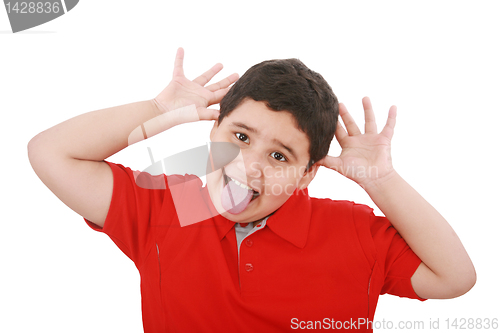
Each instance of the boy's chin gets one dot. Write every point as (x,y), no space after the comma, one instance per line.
(234,218)
(246,216)
(251,213)
(238,218)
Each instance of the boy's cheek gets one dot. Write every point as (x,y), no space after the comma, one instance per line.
(255,170)
(280,190)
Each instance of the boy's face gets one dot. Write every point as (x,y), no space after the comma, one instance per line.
(272,161)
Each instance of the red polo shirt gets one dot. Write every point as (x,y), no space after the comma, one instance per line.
(316,261)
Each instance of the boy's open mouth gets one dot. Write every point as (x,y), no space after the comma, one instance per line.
(235,195)
(227,179)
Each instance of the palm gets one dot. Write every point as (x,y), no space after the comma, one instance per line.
(365,158)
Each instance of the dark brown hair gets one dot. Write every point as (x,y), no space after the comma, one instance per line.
(288,85)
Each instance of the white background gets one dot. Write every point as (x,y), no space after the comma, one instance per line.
(436,60)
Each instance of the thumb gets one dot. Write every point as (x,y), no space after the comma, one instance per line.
(207,114)
(331,162)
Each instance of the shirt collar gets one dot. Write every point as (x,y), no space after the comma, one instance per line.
(291,221)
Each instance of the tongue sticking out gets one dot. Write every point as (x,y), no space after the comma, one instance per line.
(235,198)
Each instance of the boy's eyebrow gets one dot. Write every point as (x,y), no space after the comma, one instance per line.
(248,128)
(275,141)
(290,150)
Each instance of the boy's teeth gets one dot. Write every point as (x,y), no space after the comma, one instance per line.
(241,185)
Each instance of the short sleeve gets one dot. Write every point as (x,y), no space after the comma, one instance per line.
(393,256)
(131,211)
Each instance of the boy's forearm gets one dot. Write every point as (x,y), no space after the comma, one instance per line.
(427,233)
(98,134)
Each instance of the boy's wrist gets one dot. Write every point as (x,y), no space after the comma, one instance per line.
(162,121)
(159,108)
(382,185)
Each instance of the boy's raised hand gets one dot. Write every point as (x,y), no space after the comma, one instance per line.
(182,92)
(446,270)
(365,158)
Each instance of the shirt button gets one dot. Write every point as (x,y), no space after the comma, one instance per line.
(249,267)
(249,242)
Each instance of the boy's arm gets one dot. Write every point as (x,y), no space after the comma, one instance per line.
(446,270)
(69,157)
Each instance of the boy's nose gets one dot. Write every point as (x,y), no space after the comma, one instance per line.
(249,164)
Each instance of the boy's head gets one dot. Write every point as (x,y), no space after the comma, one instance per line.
(289,85)
(283,117)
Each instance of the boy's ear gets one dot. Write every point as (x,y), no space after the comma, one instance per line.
(308,176)
(214,129)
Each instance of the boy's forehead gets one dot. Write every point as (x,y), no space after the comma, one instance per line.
(254,114)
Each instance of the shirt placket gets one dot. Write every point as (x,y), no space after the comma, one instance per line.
(247,269)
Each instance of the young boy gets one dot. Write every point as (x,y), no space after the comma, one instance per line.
(251,251)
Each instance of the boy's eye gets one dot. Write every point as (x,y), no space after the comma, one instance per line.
(242,137)
(278,156)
